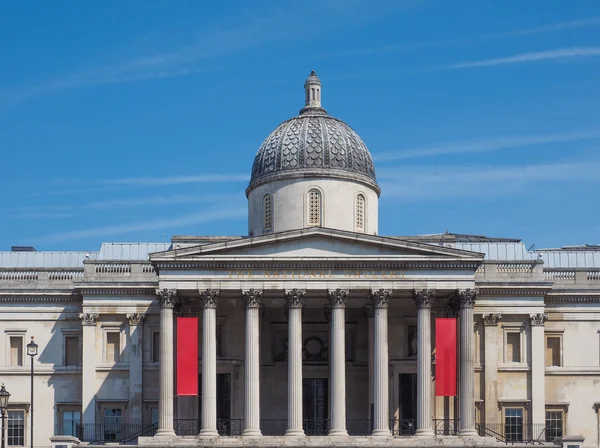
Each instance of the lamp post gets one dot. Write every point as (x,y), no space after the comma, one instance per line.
(32,351)
(4,395)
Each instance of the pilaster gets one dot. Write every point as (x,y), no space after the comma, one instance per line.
(538,367)
(490,365)
(135,368)
(88,378)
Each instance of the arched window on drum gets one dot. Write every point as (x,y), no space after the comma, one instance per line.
(359,213)
(314,207)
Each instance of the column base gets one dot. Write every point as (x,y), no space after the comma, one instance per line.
(338,433)
(424,432)
(468,433)
(208,433)
(165,433)
(295,433)
(381,433)
(251,433)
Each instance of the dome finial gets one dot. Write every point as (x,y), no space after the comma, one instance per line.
(312,93)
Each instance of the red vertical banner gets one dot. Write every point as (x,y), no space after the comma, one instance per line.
(445,357)
(187,356)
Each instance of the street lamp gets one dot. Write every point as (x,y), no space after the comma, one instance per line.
(4,395)
(32,351)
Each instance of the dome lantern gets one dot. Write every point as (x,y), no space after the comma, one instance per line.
(312,95)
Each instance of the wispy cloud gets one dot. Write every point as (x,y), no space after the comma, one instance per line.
(176,180)
(170,224)
(486,145)
(446,181)
(561,53)
(61,210)
(454,42)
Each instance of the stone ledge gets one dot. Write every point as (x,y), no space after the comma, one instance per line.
(320,441)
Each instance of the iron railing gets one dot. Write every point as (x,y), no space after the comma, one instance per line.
(445,427)
(519,433)
(403,427)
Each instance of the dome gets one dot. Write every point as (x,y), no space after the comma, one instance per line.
(313,144)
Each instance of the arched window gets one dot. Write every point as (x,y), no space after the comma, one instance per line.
(360,213)
(314,207)
(268,213)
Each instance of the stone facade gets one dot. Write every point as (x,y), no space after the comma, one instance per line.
(310,333)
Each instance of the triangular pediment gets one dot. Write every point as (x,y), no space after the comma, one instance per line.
(317,243)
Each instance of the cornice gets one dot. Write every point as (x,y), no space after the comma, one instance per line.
(120,291)
(307,263)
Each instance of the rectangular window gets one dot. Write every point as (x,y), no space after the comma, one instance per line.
(513,424)
(113,424)
(513,347)
(72,352)
(16,350)
(155,346)
(554,425)
(113,346)
(70,422)
(552,351)
(15,434)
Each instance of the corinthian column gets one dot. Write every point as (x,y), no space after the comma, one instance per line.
(167,299)
(337,300)
(253,302)
(209,299)
(381,426)
(294,304)
(423,300)
(467,364)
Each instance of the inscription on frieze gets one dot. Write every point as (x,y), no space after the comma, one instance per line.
(315,274)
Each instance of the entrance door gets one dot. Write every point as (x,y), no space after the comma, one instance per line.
(314,406)
(408,403)
(223,403)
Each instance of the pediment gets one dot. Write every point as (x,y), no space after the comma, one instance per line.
(318,243)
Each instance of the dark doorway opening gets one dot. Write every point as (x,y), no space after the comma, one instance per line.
(315,398)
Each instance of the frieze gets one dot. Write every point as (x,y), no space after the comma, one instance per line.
(315,274)
(41,299)
(116,292)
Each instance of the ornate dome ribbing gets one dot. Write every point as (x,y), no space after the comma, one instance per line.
(313,144)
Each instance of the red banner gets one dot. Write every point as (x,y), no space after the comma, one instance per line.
(445,357)
(187,356)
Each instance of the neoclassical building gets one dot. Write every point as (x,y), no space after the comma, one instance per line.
(313,328)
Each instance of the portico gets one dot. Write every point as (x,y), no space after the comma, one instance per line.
(312,326)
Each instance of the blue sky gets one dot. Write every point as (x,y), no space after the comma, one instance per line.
(138,120)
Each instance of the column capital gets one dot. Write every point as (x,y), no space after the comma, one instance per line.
(381,297)
(135,318)
(538,319)
(167,298)
(338,297)
(369,311)
(423,298)
(491,319)
(89,318)
(252,298)
(467,298)
(294,298)
(210,298)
